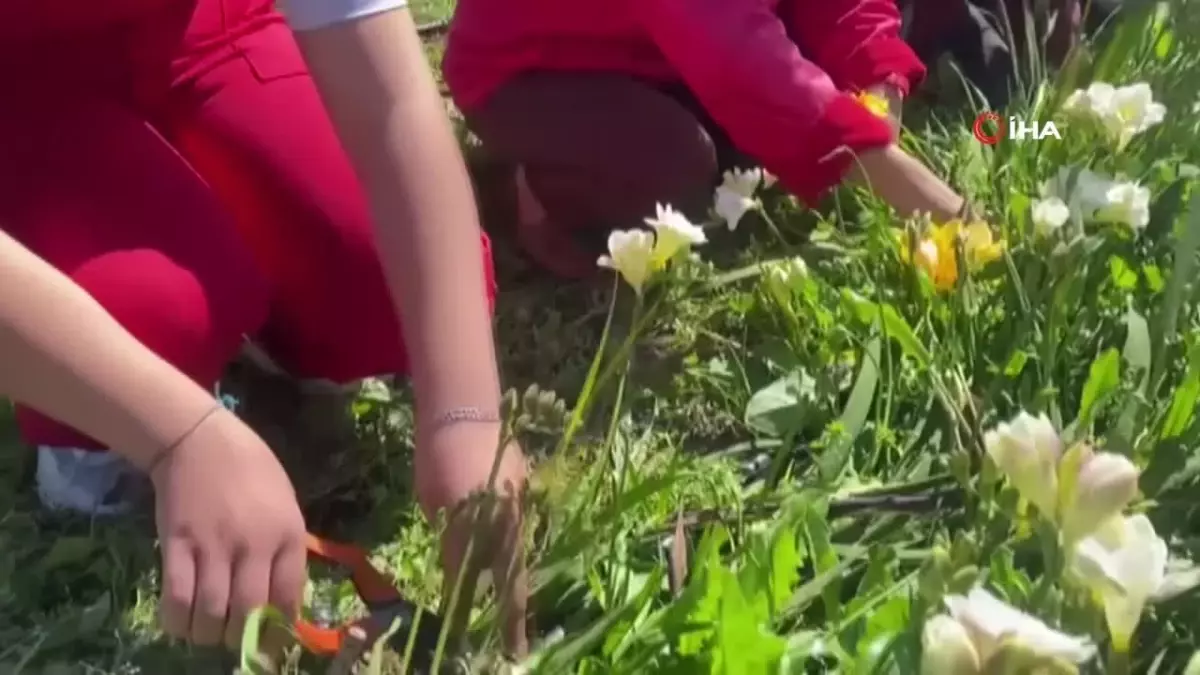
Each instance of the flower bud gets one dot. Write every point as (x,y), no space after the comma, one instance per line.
(1104,486)
(1027,450)
(947,648)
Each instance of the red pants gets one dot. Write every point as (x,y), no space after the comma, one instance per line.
(182,170)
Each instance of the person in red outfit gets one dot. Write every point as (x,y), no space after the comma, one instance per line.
(173,180)
(606,108)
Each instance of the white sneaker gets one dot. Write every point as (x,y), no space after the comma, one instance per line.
(86,482)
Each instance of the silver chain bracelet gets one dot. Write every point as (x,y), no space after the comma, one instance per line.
(464,414)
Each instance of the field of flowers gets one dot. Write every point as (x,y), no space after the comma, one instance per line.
(792,442)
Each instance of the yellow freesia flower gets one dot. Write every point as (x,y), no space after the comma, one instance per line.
(875,103)
(980,246)
(937,252)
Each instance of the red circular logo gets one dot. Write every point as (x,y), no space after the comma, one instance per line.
(980,128)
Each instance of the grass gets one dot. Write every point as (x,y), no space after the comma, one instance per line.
(718,509)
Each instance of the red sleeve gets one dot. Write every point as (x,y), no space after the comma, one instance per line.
(737,58)
(856,41)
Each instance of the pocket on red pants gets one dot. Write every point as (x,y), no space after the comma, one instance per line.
(272,53)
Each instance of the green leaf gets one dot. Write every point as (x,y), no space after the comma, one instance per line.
(1123,276)
(783,407)
(252,659)
(563,656)
(854,417)
(1187,241)
(743,645)
(818,539)
(1104,378)
(1016,363)
(894,324)
(1137,355)
(1126,40)
(1185,399)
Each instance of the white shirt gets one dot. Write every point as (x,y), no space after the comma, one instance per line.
(310,14)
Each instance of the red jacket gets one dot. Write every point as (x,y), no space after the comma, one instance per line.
(775,74)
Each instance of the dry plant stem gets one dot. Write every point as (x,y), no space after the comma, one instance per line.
(354,646)
(679,556)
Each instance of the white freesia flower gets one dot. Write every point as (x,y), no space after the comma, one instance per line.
(1104,485)
(1027,450)
(1125,203)
(1094,100)
(1083,190)
(1125,564)
(990,622)
(736,195)
(946,648)
(631,254)
(673,232)
(1124,112)
(1099,198)
(1135,109)
(1049,215)
(769,179)
(1182,576)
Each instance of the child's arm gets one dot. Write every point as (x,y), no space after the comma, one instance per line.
(369,65)
(231,532)
(783,109)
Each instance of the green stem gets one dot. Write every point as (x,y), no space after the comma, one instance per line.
(615,422)
(1118,663)
(762,211)
(597,379)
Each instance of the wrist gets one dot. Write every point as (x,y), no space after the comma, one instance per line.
(165,454)
(160,418)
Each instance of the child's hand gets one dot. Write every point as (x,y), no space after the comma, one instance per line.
(452,465)
(232,534)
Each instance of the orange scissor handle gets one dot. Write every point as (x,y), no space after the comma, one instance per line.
(372,586)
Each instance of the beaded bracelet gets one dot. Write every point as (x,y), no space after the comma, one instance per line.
(464,414)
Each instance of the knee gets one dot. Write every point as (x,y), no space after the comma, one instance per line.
(194,318)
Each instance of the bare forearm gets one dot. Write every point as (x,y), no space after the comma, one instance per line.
(63,355)
(904,182)
(393,123)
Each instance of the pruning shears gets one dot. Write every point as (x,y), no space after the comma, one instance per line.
(385,606)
